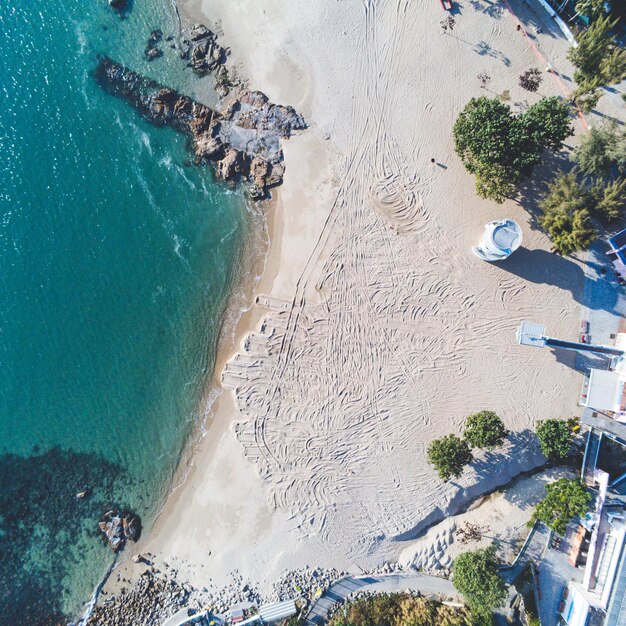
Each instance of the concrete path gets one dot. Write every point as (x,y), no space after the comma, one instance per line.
(532,551)
(345,587)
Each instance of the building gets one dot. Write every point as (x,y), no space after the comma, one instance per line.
(605,390)
(601,592)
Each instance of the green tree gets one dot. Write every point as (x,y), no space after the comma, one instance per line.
(484,430)
(590,8)
(598,59)
(555,438)
(500,148)
(475,575)
(565,499)
(449,455)
(601,151)
(586,97)
(610,199)
(548,123)
(567,214)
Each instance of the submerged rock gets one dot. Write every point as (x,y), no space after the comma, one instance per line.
(152,50)
(118,5)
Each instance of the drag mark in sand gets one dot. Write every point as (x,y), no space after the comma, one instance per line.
(340,399)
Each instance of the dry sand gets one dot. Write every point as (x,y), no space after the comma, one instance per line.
(377,330)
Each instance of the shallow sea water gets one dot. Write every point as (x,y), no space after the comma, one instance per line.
(116,261)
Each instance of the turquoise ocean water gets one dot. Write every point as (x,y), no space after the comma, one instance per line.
(116,260)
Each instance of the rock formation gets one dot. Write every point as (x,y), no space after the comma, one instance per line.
(205,53)
(120,527)
(243,142)
(152,50)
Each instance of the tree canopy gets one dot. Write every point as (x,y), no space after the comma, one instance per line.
(475,575)
(484,430)
(501,148)
(598,59)
(567,209)
(565,499)
(399,609)
(601,152)
(449,455)
(555,438)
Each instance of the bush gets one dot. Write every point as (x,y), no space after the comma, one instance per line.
(555,438)
(449,455)
(500,148)
(484,430)
(531,79)
(399,609)
(565,500)
(475,575)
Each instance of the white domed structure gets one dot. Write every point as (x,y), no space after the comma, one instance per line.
(500,239)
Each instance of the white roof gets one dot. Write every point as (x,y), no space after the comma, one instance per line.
(531,334)
(605,390)
(277,611)
(576,608)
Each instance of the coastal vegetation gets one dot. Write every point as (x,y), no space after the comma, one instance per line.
(566,215)
(475,575)
(601,153)
(599,61)
(449,455)
(484,430)
(578,203)
(565,499)
(555,438)
(399,609)
(501,148)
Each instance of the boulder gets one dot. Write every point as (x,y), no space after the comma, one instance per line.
(208,147)
(233,163)
(153,53)
(200,31)
(118,528)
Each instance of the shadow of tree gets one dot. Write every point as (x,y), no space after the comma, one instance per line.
(534,18)
(521,457)
(492,9)
(542,267)
(41,523)
(483,48)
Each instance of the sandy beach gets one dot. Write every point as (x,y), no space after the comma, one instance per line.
(373,329)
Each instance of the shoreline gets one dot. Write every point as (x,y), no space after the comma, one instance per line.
(251,507)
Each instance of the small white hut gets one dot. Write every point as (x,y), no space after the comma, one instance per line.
(500,239)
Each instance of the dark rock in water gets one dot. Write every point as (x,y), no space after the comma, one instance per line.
(152,50)
(42,516)
(153,53)
(244,142)
(118,528)
(155,36)
(118,5)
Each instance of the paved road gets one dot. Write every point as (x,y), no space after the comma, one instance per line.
(345,587)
